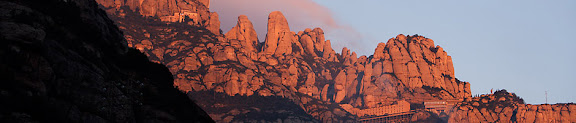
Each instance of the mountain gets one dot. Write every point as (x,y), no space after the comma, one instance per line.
(301,67)
(66,61)
(507,107)
(290,76)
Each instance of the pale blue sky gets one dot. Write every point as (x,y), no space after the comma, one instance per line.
(524,46)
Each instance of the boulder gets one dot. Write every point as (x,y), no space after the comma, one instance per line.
(307,44)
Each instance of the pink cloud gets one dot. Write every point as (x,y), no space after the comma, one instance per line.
(301,14)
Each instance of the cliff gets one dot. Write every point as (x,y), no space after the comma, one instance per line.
(65,61)
(299,67)
(507,107)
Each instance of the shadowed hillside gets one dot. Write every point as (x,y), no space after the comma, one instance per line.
(65,61)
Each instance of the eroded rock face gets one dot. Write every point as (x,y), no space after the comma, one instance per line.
(277,25)
(300,67)
(329,54)
(214,23)
(79,69)
(416,63)
(507,107)
(193,12)
(279,39)
(312,41)
(407,67)
(244,31)
(202,61)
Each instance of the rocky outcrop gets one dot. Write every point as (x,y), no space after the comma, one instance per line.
(302,67)
(507,107)
(312,41)
(328,53)
(244,31)
(193,12)
(424,73)
(413,62)
(205,3)
(65,61)
(279,39)
(202,61)
(214,23)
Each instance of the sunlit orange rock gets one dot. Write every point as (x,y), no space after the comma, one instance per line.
(244,31)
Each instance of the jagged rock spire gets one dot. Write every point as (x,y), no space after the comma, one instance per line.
(244,31)
(279,39)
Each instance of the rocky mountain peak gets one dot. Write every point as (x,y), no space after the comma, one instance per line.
(244,31)
(302,67)
(279,38)
(277,23)
(414,63)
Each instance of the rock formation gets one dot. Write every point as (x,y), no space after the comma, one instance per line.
(202,61)
(193,12)
(244,31)
(235,74)
(312,41)
(507,107)
(213,23)
(413,62)
(300,67)
(279,39)
(65,61)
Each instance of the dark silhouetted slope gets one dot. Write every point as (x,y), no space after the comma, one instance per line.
(65,61)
